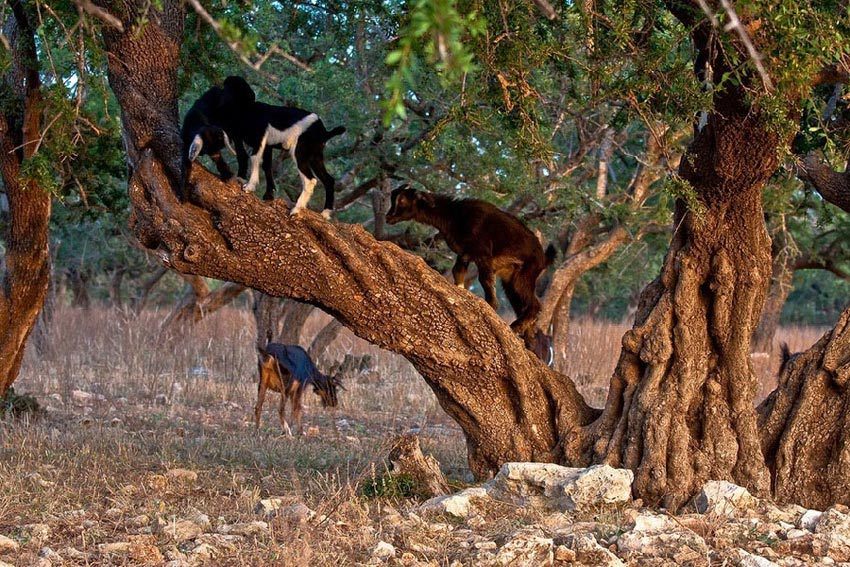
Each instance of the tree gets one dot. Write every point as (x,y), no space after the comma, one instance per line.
(26,271)
(680,407)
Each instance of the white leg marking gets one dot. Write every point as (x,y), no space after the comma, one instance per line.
(306,192)
(256,161)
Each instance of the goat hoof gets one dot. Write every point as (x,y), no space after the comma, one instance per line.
(247,188)
(295,210)
(327,214)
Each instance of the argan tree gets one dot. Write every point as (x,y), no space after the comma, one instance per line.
(680,409)
(26,266)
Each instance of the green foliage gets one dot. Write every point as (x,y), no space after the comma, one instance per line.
(394,486)
(17,405)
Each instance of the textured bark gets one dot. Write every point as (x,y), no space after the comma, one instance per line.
(804,424)
(406,458)
(27,261)
(510,405)
(199,302)
(680,408)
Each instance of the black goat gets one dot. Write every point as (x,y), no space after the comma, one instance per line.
(287,369)
(263,127)
(499,244)
(203,133)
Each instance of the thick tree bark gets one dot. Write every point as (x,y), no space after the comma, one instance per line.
(680,408)
(510,405)
(804,424)
(27,263)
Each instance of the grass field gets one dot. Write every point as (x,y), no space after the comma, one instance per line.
(127,402)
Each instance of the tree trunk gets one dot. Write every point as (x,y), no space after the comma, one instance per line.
(141,298)
(781,284)
(199,301)
(804,424)
(78,282)
(680,408)
(27,263)
(323,340)
(115,287)
(295,315)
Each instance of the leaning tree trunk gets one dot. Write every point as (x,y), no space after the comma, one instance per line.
(510,406)
(680,408)
(27,262)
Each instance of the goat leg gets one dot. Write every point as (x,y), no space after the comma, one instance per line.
(459,270)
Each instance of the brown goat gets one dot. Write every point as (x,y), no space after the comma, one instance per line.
(288,370)
(499,244)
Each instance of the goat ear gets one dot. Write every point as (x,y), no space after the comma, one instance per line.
(196,147)
(229,144)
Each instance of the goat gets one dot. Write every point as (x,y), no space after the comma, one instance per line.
(202,132)
(288,370)
(263,127)
(499,244)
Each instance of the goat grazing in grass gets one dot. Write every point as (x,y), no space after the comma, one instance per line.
(499,244)
(288,370)
(263,127)
(203,133)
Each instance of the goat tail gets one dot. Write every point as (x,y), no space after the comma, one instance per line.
(551,254)
(338,131)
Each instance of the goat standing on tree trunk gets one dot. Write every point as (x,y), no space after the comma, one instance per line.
(264,127)
(499,244)
(287,369)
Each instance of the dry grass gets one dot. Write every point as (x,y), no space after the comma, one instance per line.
(184,400)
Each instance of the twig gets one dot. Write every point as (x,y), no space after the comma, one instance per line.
(234,46)
(735,24)
(91,9)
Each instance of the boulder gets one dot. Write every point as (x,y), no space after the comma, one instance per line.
(724,498)
(833,533)
(553,487)
(460,504)
(246,529)
(527,547)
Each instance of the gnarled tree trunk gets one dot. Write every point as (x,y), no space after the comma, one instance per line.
(27,263)
(680,408)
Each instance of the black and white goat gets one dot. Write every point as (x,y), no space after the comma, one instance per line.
(204,134)
(264,127)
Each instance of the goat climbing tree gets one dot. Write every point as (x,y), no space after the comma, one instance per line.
(681,404)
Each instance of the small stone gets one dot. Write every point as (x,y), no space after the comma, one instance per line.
(73,553)
(724,498)
(408,559)
(114,547)
(8,545)
(204,551)
(182,475)
(527,547)
(809,520)
(794,533)
(383,551)
(746,559)
(247,529)
(182,530)
(460,504)
(48,553)
(485,545)
(564,554)
(157,482)
(298,513)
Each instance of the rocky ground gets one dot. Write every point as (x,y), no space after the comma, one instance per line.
(144,453)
